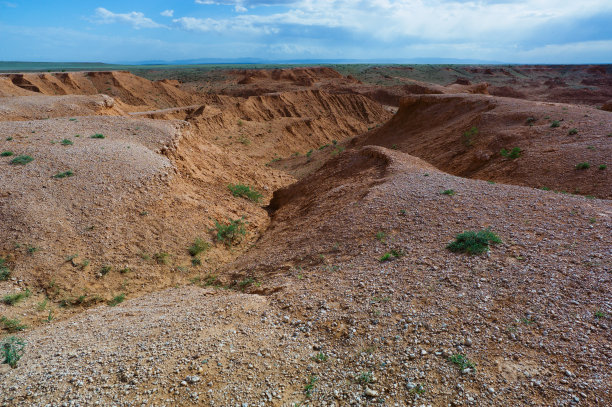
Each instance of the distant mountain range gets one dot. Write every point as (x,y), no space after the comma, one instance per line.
(433,61)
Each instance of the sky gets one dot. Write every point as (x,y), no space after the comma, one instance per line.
(508,31)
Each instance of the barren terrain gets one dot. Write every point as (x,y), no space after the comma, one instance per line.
(337,287)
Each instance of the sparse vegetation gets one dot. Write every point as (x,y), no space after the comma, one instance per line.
(471,242)
(118,299)
(462,361)
(12,349)
(6,154)
(364,377)
(5,272)
(104,270)
(381,236)
(309,153)
(162,258)
(245,283)
(310,385)
(244,140)
(230,232)
(196,261)
(12,299)
(572,132)
(468,136)
(21,160)
(66,142)
(602,167)
(198,246)
(555,124)
(245,191)
(320,357)
(64,174)
(583,166)
(599,314)
(12,325)
(393,254)
(530,121)
(512,154)
(98,136)
(450,192)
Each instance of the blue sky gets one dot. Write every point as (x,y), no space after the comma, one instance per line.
(528,31)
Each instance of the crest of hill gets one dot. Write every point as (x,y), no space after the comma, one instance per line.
(465,134)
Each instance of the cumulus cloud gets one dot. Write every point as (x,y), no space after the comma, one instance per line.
(167,13)
(506,21)
(136,19)
(238,25)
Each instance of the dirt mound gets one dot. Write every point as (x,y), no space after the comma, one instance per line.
(465,135)
(44,107)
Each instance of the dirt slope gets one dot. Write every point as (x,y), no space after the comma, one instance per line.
(524,314)
(44,107)
(438,130)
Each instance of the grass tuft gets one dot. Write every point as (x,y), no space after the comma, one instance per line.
(12,299)
(6,154)
(198,246)
(64,174)
(98,136)
(116,300)
(66,142)
(245,191)
(471,242)
(21,160)
(583,166)
(512,154)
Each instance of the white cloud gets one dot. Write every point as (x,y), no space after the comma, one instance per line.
(435,20)
(136,19)
(237,25)
(167,13)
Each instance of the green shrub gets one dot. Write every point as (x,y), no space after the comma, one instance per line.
(473,242)
(97,135)
(602,167)
(12,299)
(12,349)
(244,191)
(450,192)
(6,154)
(381,236)
(462,361)
(21,160)
(64,174)
(230,232)
(116,300)
(198,247)
(104,270)
(66,142)
(468,136)
(530,121)
(309,153)
(512,154)
(572,132)
(583,166)
(555,123)
(12,325)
